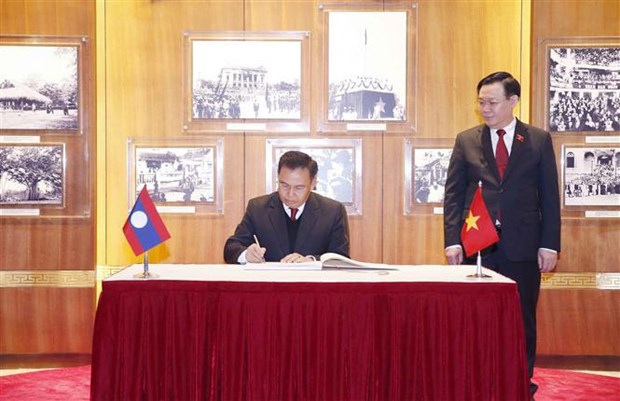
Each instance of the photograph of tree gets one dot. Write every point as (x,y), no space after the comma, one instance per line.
(176,174)
(246,79)
(39,87)
(31,175)
(584,89)
(367,66)
(591,176)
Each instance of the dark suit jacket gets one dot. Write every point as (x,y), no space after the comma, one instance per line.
(528,195)
(323,227)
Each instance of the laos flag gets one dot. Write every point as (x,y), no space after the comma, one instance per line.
(144,228)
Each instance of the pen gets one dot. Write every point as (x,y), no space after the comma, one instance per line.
(258,243)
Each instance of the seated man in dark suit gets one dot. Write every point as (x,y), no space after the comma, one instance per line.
(293,224)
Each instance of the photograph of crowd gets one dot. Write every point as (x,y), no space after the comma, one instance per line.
(39,87)
(367,71)
(246,79)
(430,167)
(176,174)
(339,175)
(591,176)
(31,174)
(584,89)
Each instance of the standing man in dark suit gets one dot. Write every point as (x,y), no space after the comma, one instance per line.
(516,164)
(293,224)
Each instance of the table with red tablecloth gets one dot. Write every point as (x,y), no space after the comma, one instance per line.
(219,332)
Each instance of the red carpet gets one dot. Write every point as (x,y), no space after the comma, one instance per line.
(73,384)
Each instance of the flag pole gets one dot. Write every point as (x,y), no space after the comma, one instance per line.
(145,273)
(479,273)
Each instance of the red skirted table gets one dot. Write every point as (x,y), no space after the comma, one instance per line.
(217,332)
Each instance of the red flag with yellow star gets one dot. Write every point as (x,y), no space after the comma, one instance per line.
(478,231)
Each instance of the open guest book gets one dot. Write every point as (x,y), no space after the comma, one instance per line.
(327,261)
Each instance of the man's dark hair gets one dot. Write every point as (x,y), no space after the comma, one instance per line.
(511,85)
(294,159)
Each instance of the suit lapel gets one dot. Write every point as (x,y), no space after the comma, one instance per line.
(487,151)
(278,223)
(518,146)
(307,223)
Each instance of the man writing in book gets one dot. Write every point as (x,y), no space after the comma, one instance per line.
(293,224)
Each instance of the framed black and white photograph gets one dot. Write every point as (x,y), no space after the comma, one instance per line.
(369,68)
(591,175)
(246,81)
(185,177)
(583,85)
(32,175)
(426,169)
(340,167)
(40,85)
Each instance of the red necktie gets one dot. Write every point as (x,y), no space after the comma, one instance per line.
(501,153)
(294,214)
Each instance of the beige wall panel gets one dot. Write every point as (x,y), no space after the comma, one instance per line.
(407,239)
(144,99)
(579,322)
(459,42)
(588,245)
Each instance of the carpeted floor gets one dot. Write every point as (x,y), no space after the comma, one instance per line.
(73,384)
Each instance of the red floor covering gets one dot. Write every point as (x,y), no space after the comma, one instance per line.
(73,384)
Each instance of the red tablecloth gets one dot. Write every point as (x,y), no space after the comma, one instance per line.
(295,341)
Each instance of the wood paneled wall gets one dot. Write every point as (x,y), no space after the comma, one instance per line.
(577,321)
(457,43)
(144,99)
(47,264)
(140,78)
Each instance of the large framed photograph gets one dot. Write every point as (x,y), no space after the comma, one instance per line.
(426,169)
(246,81)
(369,68)
(582,85)
(181,176)
(32,176)
(591,176)
(340,167)
(41,84)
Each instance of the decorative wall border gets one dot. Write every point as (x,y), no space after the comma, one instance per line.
(573,281)
(47,278)
(88,279)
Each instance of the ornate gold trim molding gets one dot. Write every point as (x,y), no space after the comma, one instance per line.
(596,281)
(88,279)
(48,278)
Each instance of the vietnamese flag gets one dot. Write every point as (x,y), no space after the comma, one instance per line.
(144,228)
(478,231)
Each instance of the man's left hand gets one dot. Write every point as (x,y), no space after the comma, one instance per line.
(296,258)
(546,260)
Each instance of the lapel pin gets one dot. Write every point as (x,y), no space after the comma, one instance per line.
(520,138)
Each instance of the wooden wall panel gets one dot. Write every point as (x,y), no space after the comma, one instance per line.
(39,316)
(459,43)
(144,99)
(588,245)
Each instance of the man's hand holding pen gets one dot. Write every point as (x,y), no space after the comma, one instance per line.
(255,253)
